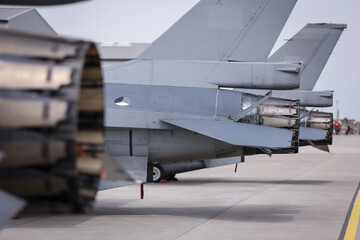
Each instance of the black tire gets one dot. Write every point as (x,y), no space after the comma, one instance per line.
(171,177)
(158,173)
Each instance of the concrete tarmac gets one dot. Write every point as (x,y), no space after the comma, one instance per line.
(303,196)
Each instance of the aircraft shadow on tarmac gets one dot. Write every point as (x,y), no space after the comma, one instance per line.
(118,208)
(238,213)
(194,181)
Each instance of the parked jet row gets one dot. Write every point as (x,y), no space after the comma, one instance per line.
(176,107)
(169,105)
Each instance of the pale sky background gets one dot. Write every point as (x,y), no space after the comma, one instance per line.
(145,20)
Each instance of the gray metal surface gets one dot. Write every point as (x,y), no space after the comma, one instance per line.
(24,19)
(318,126)
(312,46)
(115,175)
(9,207)
(38,2)
(120,51)
(172,145)
(136,167)
(206,74)
(9,13)
(140,116)
(238,133)
(223,30)
(312,133)
(181,167)
(212,163)
(246,111)
(147,105)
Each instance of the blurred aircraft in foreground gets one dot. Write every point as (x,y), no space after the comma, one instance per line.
(39,2)
(51,124)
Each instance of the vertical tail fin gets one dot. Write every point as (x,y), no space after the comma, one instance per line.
(223,30)
(312,46)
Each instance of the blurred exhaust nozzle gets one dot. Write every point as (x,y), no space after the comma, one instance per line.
(51,123)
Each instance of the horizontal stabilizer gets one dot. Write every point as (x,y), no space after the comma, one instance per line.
(223,30)
(9,207)
(240,134)
(324,148)
(312,133)
(312,47)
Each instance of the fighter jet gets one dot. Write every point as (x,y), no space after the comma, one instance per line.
(222,48)
(318,41)
(312,46)
(166,108)
(168,105)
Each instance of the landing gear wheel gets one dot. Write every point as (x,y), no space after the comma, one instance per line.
(158,173)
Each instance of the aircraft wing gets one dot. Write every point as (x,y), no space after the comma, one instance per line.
(240,134)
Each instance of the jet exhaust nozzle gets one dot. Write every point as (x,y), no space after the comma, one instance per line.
(51,126)
(275,112)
